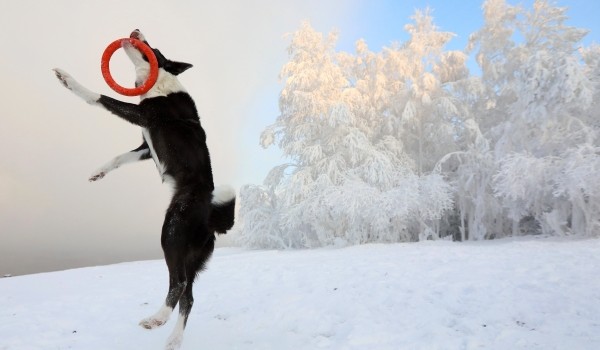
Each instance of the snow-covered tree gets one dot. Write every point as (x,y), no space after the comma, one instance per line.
(478,213)
(538,92)
(349,179)
(405,144)
(425,106)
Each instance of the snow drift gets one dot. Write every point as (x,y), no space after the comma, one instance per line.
(502,294)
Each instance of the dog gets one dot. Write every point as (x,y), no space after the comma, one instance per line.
(174,138)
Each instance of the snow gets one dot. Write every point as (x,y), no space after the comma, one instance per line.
(528,293)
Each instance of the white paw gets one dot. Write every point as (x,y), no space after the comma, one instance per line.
(153,322)
(97,175)
(67,80)
(64,78)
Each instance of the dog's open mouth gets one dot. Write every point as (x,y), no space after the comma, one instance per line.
(135,34)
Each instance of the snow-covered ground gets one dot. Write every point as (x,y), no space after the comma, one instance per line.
(532,293)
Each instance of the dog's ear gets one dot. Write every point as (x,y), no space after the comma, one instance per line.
(176,68)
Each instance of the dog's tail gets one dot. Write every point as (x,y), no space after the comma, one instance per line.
(223,209)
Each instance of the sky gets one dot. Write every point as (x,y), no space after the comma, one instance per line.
(51,217)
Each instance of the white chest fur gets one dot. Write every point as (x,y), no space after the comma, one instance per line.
(166,83)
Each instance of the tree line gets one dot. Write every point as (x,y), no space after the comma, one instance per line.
(407,144)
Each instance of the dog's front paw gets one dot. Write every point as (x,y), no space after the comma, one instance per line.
(78,89)
(63,77)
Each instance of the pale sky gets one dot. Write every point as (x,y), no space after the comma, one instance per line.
(51,217)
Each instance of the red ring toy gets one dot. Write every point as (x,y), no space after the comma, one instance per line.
(146,50)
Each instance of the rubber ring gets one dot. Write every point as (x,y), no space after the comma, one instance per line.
(142,47)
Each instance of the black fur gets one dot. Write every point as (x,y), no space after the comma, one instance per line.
(191,221)
(144,147)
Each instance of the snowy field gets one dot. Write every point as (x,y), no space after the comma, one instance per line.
(531,293)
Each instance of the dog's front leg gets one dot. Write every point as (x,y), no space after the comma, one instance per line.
(138,154)
(128,111)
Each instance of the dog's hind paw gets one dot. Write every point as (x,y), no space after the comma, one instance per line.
(97,176)
(151,322)
(158,319)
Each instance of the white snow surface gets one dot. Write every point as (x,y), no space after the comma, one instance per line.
(526,293)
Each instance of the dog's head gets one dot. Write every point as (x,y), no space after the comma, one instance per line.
(140,60)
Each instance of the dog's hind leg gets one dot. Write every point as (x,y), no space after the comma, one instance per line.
(138,154)
(195,263)
(177,285)
(175,248)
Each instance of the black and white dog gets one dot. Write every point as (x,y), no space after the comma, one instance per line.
(174,138)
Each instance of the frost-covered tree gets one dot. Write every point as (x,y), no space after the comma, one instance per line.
(538,94)
(423,78)
(591,58)
(498,56)
(404,144)
(478,213)
(531,85)
(348,179)
(310,109)
(549,84)
(425,105)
